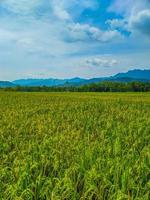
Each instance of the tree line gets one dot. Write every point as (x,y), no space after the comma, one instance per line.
(93,87)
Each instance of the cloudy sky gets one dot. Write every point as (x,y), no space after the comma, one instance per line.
(70,38)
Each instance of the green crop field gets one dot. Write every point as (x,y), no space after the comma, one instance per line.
(74,146)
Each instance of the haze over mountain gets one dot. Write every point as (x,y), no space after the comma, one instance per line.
(130,76)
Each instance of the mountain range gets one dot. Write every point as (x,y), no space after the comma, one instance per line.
(130,76)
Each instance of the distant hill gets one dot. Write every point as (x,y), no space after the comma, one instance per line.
(135,74)
(47,82)
(130,76)
(38,82)
(6,84)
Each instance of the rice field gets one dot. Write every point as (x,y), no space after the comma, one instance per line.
(74,146)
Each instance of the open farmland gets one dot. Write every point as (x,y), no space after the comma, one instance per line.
(71,146)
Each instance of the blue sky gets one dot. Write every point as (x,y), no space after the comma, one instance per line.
(70,38)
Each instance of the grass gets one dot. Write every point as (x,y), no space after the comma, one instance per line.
(71,146)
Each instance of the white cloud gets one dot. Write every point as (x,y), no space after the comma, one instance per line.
(136,16)
(22,7)
(47,36)
(60,13)
(64,9)
(101,62)
(128,7)
(6,35)
(141,21)
(117,23)
(77,32)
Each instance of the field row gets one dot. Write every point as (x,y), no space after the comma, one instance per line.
(71,146)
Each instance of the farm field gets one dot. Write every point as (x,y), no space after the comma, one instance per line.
(74,146)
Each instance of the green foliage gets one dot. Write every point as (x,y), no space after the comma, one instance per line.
(93,87)
(74,146)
